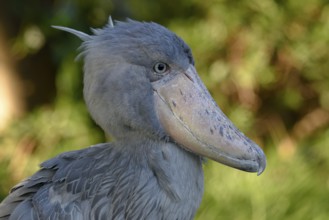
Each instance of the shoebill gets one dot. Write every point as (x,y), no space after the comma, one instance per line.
(140,87)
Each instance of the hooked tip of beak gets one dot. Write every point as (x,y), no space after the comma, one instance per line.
(261,162)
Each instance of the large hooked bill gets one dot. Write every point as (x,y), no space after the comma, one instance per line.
(191,117)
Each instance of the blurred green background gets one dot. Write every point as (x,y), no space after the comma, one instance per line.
(265,62)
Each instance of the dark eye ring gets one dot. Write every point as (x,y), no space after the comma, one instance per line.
(160,68)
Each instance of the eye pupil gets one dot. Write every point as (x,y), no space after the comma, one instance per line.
(160,67)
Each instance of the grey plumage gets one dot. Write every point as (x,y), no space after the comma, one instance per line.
(110,182)
(149,172)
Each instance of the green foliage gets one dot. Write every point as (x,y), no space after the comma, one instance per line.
(264,61)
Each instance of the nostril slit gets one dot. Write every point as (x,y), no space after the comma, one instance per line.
(189,77)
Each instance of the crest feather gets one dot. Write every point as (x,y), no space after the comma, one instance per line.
(79,34)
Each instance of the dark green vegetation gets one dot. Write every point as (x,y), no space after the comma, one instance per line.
(265,62)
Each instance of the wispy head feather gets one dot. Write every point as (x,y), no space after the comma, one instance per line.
(81,35)
(110,22)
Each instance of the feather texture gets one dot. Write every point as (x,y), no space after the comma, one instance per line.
(111,181)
